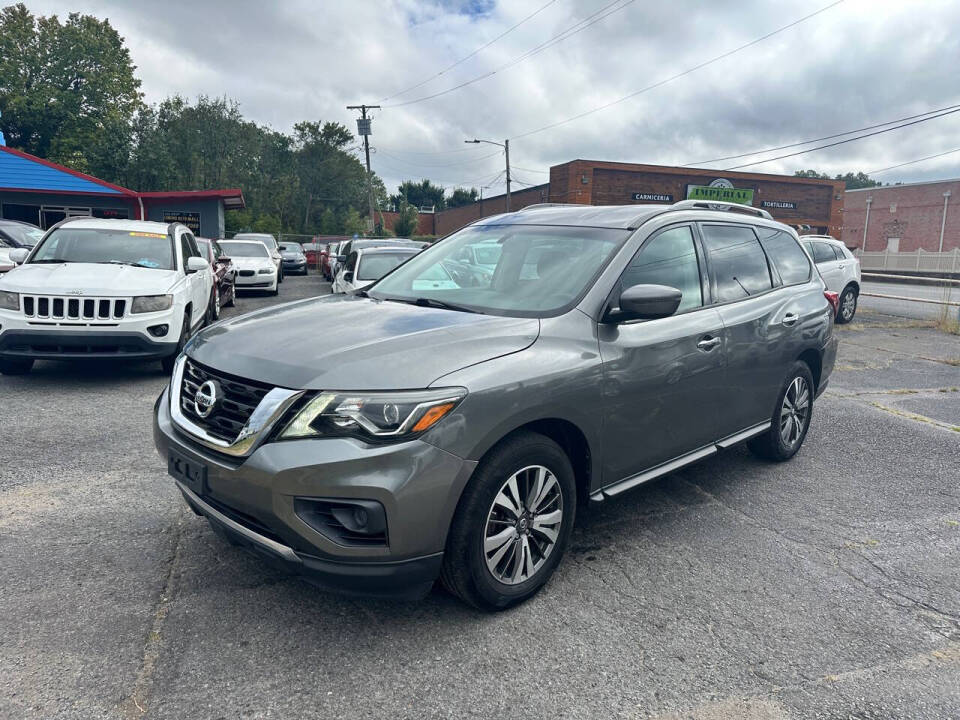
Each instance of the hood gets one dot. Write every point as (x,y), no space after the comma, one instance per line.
(90,279)
(251,263)
(346,342)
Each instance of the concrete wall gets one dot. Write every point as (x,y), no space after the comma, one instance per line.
(211,213)
(913,213)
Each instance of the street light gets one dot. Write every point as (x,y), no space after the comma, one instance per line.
(506,148)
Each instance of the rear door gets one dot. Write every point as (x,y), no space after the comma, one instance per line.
(662,378)
(828,264)
(760,320)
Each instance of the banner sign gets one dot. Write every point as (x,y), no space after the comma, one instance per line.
(652,197)
(742,196)
(190,219)
(778,204)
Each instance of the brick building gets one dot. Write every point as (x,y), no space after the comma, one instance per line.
(793,200)
(903,218)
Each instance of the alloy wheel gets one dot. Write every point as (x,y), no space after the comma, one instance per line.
(523,525)
(216,303)
(794,412)
(848,306)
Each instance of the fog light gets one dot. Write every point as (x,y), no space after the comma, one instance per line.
(360,517)
(158,330)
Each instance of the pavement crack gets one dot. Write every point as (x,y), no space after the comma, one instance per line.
(135,705)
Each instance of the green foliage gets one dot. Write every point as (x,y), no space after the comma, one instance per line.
(853,181)
(67,90)
(353,223)
(267,224)
(421,194)
(460,197)
(406,224)
(328,222)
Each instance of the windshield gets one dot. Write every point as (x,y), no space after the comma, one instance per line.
(291,247)
(94,245)
(540,269)
(374,267)
(24,235)
(243,249)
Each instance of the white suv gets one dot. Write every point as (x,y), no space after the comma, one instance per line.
(839,269)
(103,288)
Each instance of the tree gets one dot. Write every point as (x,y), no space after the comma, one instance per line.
(406,223)
(328,223)
(852,181)
(420,195)
(353,223)
(460,197)
(67,90)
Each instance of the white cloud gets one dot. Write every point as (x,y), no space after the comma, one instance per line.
(860,63)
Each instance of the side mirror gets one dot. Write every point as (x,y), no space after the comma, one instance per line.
(348,277)
(196,264)
(18,255)
(646,302)
(341,258)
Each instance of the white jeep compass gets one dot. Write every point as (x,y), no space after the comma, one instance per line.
(103,288)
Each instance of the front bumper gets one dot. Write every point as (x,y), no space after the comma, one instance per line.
(251,501)
(256,280)
(294,265)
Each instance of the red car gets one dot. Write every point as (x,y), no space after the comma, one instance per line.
(224,276)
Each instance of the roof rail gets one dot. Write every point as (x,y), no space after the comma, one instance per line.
(550,205)
(726,207)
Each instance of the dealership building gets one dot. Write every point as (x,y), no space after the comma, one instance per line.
(43,193)
(811,205)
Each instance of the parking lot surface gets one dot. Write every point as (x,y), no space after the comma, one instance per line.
(823,587)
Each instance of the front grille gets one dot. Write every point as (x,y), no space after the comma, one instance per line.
(247,273)
(78,347)
(240,399)
(73,308)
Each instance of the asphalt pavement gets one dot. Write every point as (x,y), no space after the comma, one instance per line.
(825,587)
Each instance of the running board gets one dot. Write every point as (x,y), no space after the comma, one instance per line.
(682,461)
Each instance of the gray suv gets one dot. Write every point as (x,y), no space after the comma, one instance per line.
(420,429)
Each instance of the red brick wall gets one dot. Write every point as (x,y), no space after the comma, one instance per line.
(455,218)
(912,213)
(425,222)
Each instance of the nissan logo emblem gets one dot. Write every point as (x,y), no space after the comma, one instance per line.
(207,397)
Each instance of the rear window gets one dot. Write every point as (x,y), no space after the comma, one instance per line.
(374,267)
(244,249)
(786,255)
(737,264)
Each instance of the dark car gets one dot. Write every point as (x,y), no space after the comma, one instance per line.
(294,259)
(224,276)
(435,430)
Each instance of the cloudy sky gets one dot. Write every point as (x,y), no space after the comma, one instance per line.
(859,63)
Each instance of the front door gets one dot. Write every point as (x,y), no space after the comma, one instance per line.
(661,378)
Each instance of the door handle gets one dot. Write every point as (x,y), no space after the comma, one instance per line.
(708,343)
(789,319)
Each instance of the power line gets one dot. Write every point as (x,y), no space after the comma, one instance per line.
(819,139)
(438,165)
(843,142)
(467,57)
(912,162)
(680,74)
(560,37)
(545,172)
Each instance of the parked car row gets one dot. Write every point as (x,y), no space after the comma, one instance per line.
(93,288)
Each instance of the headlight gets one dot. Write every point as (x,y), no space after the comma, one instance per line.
(9,300)
(265,271)
(151,303)
(377,415)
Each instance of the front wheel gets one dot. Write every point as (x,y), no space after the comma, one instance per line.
(512,524)
(215,305)
(791,417)
(233,296)
(848,306)
(168,362)
(15,366)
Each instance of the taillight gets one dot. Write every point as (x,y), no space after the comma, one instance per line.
(832,298)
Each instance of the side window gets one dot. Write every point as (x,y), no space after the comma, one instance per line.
(184,250)
(823,253)
(669,258)
(785,254)
(738,266)
(838,252)
(352,262)
(192,245)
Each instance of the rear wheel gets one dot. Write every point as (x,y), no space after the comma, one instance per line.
(848,306)
(15,366)
(512,524)
(791,417)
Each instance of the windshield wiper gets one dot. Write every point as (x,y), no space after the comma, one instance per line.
(124,262)
(431,302)
(49,261)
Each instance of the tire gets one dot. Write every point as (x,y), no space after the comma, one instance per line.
(848,305)
(15,366)
(168,362)
(233,296)
(280,275)
(276,288)
(524,459)
(780,442)
(214,312)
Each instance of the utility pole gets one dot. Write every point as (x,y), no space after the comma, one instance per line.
(364,128)
(506,149)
